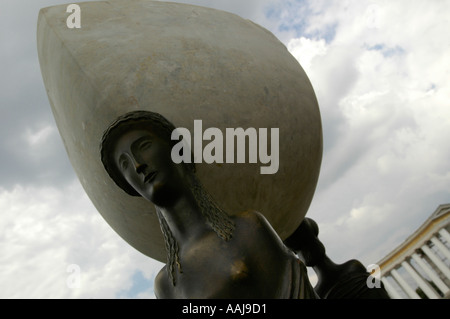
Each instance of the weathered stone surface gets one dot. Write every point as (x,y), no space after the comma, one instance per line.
(187,63)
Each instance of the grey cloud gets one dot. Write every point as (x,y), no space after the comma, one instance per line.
(24,105)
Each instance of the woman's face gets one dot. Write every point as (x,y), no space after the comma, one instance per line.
(144,159)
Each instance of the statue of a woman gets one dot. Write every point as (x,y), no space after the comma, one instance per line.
(210,254)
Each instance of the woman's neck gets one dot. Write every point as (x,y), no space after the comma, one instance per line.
(185,219)
(188,218)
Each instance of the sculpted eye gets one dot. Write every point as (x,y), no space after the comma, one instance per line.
(145,144)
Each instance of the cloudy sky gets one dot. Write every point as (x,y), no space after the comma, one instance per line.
(381,73)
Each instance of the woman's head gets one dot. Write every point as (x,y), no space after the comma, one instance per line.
(136,153)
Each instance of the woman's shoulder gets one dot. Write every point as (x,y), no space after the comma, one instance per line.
(252,219)
(255,227)
(162,288)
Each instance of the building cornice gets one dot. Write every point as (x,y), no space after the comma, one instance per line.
(420,237)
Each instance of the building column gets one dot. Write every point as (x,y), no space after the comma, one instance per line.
(436,260)
(404,285)
(426,288)
(441,247)
(390,289)
(431,273)
(444,233)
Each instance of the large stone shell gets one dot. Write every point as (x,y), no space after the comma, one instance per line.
(187,63)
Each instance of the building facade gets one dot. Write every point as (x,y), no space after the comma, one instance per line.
(419,268)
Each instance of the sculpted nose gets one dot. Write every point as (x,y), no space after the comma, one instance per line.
(140,168)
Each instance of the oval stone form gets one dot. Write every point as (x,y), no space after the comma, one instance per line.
(187,63)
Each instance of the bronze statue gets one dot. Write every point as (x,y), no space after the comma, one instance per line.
(344,281)
(210,254)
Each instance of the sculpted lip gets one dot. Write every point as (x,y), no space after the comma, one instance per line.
(150,177)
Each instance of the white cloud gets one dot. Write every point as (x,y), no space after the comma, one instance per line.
(306,50)
(39,138)
(381,83)
(46,230)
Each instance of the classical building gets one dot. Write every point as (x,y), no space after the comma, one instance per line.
(420,266)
